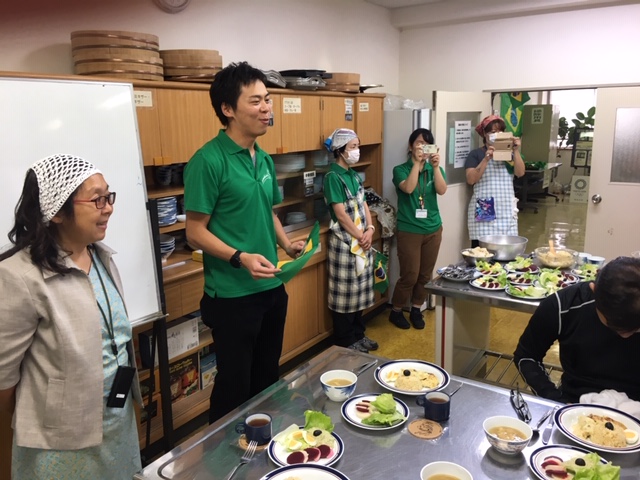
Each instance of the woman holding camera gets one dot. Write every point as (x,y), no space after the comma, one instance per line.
(418,181)
(493,206)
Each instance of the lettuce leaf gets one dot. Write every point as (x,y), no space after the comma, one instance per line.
(315,419)
(384,403)
(383,418)
(593,469)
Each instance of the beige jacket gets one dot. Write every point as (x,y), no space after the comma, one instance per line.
(51,348)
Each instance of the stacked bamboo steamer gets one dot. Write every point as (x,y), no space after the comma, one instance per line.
(114,53)
(343,82)
(191,65)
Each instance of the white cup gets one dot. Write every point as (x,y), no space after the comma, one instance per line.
(595,260)
(338,393)
(444,468)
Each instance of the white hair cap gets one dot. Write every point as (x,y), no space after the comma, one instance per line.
(58,177)
(339,138)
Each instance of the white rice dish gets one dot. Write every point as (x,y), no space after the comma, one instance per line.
(593,429)
(415,381)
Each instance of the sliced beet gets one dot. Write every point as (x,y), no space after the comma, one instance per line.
(553,457)
(314,453)
(556,471)
(325,451)
(297,457)
(551,462)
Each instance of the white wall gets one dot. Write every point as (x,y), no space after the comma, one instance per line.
(332,35)
(582,47)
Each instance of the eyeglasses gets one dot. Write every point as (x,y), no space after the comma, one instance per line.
(519,405)
(101,201)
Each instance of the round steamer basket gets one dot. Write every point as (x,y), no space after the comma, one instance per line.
(190,71)
(106,53)
(120,70)
(191,78)
(113,38)
(191,58)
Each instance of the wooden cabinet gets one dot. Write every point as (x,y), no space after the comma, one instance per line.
(369,119)
(173,123)
(337,112)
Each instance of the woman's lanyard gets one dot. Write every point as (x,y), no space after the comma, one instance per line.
(422,189)
(109,324)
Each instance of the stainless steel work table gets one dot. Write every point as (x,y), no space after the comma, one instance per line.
(463,321)
(387,455)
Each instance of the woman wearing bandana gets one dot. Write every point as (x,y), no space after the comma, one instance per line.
(349,257)
(493,206)
(65,331)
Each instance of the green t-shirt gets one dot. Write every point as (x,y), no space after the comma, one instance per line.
(408,204)
(220,180)
(334,188)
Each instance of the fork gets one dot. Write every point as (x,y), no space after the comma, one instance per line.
(246,458)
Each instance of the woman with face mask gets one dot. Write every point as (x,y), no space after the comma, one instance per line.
(349,257)
(418,183)
(493,206)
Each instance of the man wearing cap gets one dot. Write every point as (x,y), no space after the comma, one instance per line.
(230,190)
(493,205)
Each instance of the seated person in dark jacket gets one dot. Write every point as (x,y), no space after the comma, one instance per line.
(596,325)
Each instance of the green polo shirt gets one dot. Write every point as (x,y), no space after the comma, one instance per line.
(334,188)
(220,180)
(408,204)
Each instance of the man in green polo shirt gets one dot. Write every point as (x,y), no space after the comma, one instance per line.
(230,190)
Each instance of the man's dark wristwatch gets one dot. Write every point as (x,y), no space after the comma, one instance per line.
(235,259)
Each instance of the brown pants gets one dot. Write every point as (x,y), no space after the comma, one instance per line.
(417,255)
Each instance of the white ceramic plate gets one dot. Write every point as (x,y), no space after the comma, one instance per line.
(278,454)
(490,274)
(348,410)
(579,273)
(565,452)
(306,471)
(567,416)
(513,279)
(476,284)
(383,371)
(508,292)
(532,269)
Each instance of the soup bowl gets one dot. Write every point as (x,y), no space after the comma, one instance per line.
(508,446)
(338,385)
(444,470)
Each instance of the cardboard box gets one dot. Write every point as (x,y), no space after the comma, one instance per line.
(208,370)
(184,377)
(503,146)
(182,336)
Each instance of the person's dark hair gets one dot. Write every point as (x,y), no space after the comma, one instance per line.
(30,231)
(426,135)
(501,125)
(338,151)
(228,83)
(617,293)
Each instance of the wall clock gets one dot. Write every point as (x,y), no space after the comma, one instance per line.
(172,6)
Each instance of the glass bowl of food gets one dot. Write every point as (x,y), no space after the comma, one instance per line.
(558,258)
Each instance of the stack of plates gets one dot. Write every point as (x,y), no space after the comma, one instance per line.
(167,211)
(320,158)
(163,175)
(295,217)
(289,163)
(167,245)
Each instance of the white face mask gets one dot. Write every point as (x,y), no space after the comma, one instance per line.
(490,137)
(352,156)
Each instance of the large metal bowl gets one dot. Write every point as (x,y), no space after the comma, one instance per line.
(504,247)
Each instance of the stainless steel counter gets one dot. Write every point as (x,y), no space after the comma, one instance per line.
(463,321)
(388,455)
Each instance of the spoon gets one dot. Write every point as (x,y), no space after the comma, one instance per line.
(552,249)
(536,430)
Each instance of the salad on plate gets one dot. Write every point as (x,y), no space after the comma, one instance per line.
(522,265)
(527,293)
(491,269)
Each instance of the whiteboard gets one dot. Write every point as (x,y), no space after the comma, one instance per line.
(95,121)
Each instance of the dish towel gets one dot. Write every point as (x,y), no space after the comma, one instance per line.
(356,249)
(613,399)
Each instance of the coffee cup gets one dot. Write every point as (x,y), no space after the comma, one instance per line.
(437,406)
(338,385)
(256,427)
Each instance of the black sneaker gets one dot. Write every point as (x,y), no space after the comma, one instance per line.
(415,315)
(397,318)
(359,347)
(369,344)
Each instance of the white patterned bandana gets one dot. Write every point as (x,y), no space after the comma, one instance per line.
(58,177)
(339,138)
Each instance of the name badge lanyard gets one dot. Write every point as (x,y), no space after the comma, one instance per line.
(423,189)
(109,323)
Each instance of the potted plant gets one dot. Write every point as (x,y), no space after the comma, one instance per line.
(581,121)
